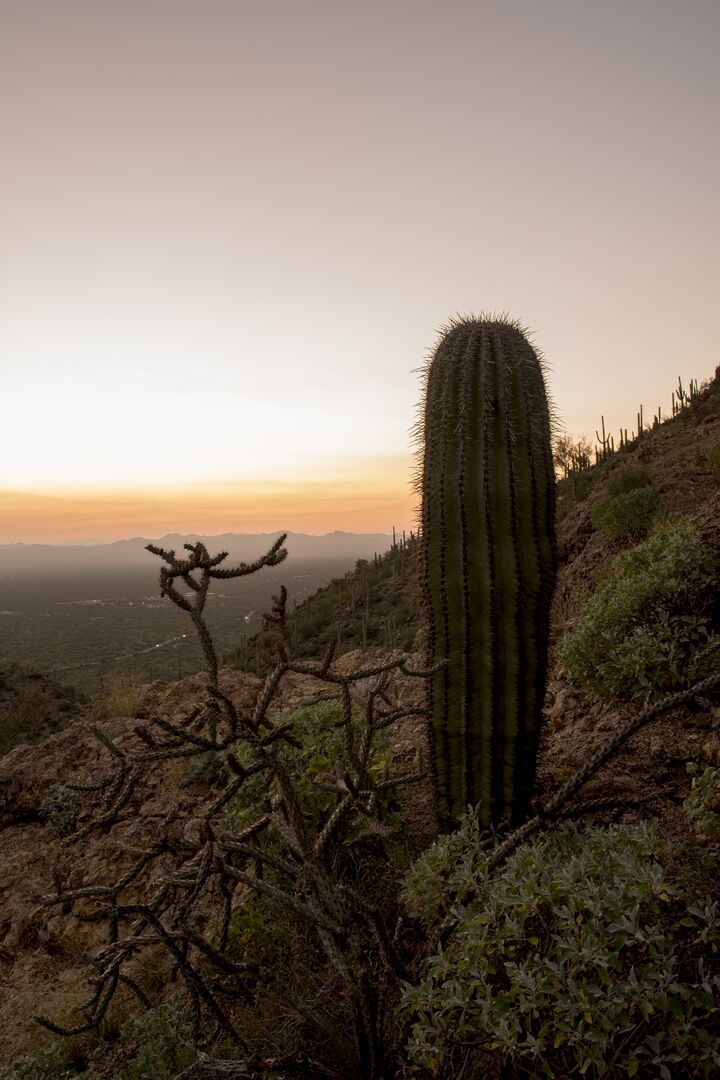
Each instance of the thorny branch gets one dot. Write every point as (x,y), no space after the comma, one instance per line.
(276,856)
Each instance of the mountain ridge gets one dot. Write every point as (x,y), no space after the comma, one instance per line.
(239,545)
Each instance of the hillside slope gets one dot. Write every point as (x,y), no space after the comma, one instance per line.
(377,604)
(41,954)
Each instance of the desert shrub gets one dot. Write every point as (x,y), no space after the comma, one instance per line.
(638,634)
(579,956)
(301,831)
(627,516)
(167,1044)
(160,1043)
(665,656)
(251,935)
(259,932)
(267,935)
(628,477)
(702,807)
(582,484)
(208,770)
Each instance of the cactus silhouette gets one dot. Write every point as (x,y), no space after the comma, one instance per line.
(487,563)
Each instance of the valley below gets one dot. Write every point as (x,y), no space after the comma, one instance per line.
(81,626)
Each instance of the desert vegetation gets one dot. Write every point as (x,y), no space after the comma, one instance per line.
(335,875)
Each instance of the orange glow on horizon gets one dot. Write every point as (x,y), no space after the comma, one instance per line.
(86,516)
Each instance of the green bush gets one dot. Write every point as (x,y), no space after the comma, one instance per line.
(671,654)
(638,634)
(577,957)
(702,807)
(167,1044)
(582,484)
(627,516)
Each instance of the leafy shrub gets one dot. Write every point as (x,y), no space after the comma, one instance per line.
(666,656)
(578,956)
(262,933)
(582,484)
(635,637)
(167,1043)
(250,937)
(208,770)
(702,807)
(627,516)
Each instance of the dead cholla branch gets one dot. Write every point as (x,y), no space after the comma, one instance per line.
(173,884)
(200,560)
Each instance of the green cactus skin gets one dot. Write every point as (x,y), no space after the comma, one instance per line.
(487,564)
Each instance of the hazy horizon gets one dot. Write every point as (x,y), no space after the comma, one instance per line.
(194,533)
(232,233)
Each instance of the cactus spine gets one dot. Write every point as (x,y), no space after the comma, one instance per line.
(487,564)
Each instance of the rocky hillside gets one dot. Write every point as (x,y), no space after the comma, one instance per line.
(42,950)
(377,603)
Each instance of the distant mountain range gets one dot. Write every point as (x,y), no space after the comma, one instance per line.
(245,547)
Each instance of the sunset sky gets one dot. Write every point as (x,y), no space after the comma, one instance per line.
(230,232)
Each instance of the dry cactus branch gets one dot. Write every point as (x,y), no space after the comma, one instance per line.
(276,856)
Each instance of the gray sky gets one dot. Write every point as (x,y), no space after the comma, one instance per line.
(229,232)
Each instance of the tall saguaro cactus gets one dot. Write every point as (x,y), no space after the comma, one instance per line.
(487,564)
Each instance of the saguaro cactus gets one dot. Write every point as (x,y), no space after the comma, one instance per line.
(487,564)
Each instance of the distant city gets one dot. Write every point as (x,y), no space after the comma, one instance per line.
(86,612)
